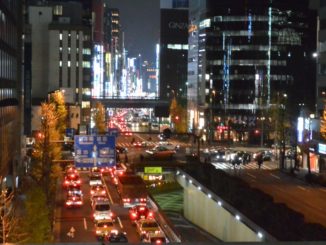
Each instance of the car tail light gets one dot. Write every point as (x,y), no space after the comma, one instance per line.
(92,192)
(68,203)
(134,215)
(143,232)
(79,203)
(158,241)
(126,200)
(98,232)
(103,192)
(78,181)
(150,214)
(141,208)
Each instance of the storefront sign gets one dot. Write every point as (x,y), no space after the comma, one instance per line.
(153,170)
(322,149)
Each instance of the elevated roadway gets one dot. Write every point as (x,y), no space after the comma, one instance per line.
(131,102)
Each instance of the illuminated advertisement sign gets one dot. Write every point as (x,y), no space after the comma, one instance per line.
(322,148)
(153,170)
(300,128)
(98,71)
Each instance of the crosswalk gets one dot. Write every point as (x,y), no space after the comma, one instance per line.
(148,144)
(251,165)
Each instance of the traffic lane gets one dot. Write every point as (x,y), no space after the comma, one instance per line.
(121,212)
(308,200)
(78,218)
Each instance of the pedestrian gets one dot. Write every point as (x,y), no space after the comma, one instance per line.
(259,160)
(126,158)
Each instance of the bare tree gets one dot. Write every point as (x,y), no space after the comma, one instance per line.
(10,221)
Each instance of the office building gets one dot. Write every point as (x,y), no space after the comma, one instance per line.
(10,88)
(245,57)
(173,49)
(60,57)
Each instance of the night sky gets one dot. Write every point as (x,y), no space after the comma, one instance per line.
(140,21)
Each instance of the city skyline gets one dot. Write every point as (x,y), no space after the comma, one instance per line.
(140,24)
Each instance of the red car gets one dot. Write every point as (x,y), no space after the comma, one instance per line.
(74,200)
(140,212)
(71,181)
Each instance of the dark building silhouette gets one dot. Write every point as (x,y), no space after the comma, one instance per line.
(173,51)
(10,87)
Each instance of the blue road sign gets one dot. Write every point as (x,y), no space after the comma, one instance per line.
(70,132)
(94,151)
(113,132)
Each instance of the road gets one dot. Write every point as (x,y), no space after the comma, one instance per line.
(296,194)
(81,218)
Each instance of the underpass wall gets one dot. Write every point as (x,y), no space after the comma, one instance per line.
(209,212)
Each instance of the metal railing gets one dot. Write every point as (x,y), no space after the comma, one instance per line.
(164,223)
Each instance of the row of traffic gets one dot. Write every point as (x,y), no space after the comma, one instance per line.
(104,219)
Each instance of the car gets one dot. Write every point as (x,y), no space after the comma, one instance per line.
(97,190)
(139,144)
(95,171)
(266,155)
(121,149)
(120,169)
(144,226)
(162,137)
(74,191)
(160,152)
(95,180)
(118,236)
(157,237)
(71,170)
(103,228)
(127,133)
(102,209)
(71,181)
(73,200)
(140,212)
(169,145)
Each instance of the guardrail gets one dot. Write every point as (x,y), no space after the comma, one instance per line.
(164,223)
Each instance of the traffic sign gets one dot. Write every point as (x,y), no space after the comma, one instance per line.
(94,151)
(113,132)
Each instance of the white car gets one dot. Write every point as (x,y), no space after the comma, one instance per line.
(169,145)
(95,180)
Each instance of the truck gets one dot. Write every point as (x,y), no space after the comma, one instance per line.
(132,190)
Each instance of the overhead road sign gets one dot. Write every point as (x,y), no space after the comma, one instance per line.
(94,151)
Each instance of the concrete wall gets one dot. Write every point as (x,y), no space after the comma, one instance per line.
(219,221)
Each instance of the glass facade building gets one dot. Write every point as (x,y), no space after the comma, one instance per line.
(10,85)
(243,56)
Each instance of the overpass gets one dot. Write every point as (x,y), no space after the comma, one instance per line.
(131,102)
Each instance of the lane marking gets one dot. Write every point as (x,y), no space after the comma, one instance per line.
(120,223)
(251,175)
(275,176)
(85,224)
(302,188)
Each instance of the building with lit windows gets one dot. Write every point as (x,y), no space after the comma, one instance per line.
(10,89)
(243,57)
(60,57)
(173,49)
(113,46)
(320,5)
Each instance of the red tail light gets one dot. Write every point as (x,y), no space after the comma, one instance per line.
(150,214)
(92,192)
(78,181)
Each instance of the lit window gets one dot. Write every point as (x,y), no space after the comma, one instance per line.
(60,63)
(68,63)
(60,36)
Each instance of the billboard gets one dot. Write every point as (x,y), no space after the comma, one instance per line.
(94,151)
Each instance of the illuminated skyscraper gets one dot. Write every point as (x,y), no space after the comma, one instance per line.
(244,55)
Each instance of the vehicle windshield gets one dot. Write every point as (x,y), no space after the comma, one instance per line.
(102,207)
(150,225)
(105,224)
